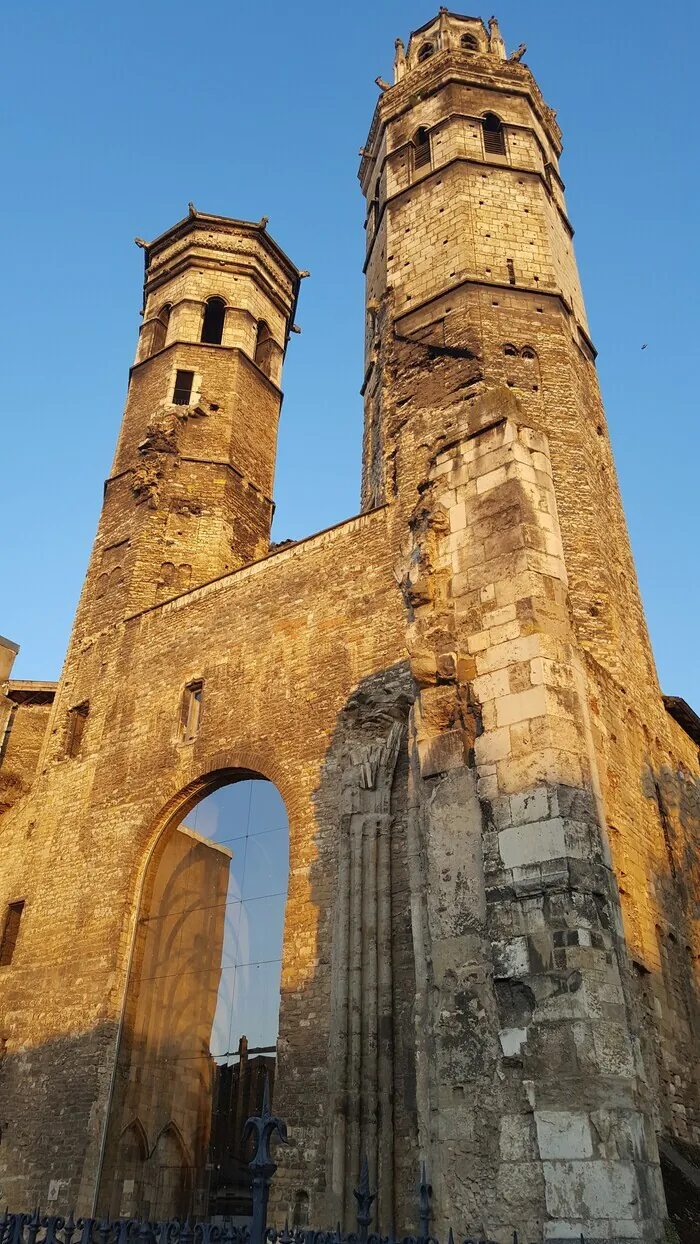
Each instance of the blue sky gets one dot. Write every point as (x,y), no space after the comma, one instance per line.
(115,115)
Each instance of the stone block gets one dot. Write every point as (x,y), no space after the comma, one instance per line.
(491,686)
(485,483)
(563,1134)
(531,805)
(515,1137)
(497,617)
(521,706)
(492,745)
(443,752)
(576,1190)
(511,958)
(458,517)
(532,843)
(512,1041)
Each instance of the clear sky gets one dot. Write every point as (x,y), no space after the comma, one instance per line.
(117,114)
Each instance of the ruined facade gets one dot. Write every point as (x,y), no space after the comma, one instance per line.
(490,957)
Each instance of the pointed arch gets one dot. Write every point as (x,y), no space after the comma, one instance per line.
(168,1130)
(136,1130)
(494,134)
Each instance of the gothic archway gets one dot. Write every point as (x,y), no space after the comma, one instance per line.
(202,1007)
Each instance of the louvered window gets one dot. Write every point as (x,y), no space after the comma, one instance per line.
(494,136)
(10,932)
(183,388)
(421,153)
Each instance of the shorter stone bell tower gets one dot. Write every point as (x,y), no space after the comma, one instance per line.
(189,496)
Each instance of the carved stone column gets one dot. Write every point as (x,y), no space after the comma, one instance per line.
(362,997)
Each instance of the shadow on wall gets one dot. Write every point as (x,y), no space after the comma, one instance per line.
(671,1028)
(46,1095)
(347,1073)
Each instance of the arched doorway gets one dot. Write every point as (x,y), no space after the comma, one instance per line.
(202,1008)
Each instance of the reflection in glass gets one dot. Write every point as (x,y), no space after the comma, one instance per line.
(202,1010)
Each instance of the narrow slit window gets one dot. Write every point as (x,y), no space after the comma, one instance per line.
(421,148)
(160,329)
(213,322)
(264,347)
(511,271)
(494,135)
(77,720)
(182,393)
(192,710)
(10,932)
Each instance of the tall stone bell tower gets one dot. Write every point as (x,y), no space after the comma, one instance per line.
(189,496)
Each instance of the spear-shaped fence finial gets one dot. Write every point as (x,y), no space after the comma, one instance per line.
(262,1167)
(425,1191)
(364,1199)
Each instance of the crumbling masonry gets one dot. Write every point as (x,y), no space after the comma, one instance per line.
(491,938)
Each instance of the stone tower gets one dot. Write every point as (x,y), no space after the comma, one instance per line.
(490,939)
(189,496)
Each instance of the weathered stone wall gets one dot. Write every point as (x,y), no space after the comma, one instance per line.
(27,709)
(280,657)
(532,1020)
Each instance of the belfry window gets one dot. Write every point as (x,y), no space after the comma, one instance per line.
(10,932)
(160,329)
(182,392)
(77,720)
(213,322)
(421,148)
(192,710)
(425,52)
(494,135)
(469,43)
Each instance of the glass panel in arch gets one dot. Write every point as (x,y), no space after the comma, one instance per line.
(202,1010)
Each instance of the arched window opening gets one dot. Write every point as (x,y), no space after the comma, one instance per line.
(527,352)
(213,322)
(425,52)
(264,348)
(202,1009)
(494,135)
(421,148)
(510,351)
(300,1213)
(160,328)
(469,43)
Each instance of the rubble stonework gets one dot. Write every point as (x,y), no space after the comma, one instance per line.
(491,936)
